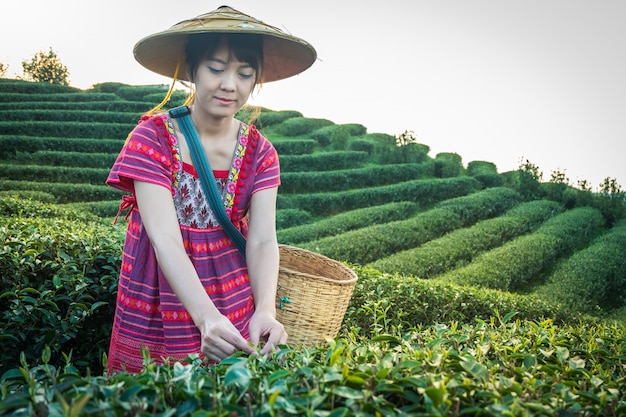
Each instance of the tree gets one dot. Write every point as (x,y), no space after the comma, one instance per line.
(3,69)
(46,67)
(406,137)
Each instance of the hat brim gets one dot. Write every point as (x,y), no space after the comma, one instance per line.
(284,55)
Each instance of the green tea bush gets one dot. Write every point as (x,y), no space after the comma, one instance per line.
(448,164)
(117,105)
(459,247)
(12,145)
(270,118)
(178,98)
(592,279)
(59,283)
(68,159)
(323,161)
(99,208)
(411,301)
(347,221)
(513,265)
(371,176)
(14,205)
(503,366)
(362,145)
(96,130)
(424,192)
(60,97)
(297,126)
(409,153)
(336,134)
(295,147)
(54,174)
(71,116)
(20,87)
(291,217)
(40,196)
(475,168)
(65,193)
(140,93)
(369,244)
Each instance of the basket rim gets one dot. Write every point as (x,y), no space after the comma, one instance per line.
(344,268)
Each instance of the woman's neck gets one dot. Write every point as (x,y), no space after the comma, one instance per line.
(209,126)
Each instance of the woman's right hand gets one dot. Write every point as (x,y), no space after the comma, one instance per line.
(220,339)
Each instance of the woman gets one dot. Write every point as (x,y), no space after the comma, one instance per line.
(184,287)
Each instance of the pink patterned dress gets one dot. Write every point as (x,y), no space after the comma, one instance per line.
(148,314)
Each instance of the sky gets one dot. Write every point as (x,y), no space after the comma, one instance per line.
(502,81)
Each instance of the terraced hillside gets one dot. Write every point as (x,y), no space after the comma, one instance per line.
(347,193)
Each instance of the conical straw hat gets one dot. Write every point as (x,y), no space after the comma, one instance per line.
(284,55)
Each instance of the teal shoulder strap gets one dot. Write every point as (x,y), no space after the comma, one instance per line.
(207,179)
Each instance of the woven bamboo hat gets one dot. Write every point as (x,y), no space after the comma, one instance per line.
(284,55)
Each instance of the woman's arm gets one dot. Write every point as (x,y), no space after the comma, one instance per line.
(220,338)
(263,258)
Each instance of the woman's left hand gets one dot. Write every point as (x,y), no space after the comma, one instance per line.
(265,329)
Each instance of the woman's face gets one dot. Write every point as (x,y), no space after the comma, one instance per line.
(223,83)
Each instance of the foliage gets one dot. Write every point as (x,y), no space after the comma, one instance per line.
(47,68)
(303,182)
(346,221)
(500,366)
(383,239)
(513,265)
(3,69)
(594,278)
(460,247)
(59,280)
(424,192)
(291,217)
(297,126)
(324,161)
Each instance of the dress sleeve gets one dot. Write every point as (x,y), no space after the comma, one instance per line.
(146,156)
(267,167)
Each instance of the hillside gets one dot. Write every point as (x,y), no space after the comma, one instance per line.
(352,195)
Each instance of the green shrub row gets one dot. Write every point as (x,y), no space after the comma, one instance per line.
(369,244)
(21,87)
(96,130)
(344,222)
(459,247)
(593,279)
(513,265)
(141,92)
(59,284)
(57,98)
(102,209)
(72,116)
(500,367)
(411,153)
(136,107)
(13,204)
(65,193)
(39,196)
(67,159)
(53,174)
(12,145)
(297,126)
(295,146)
(448,165)
(323,161)
(287,218)
(423,192)
(270,118)
(475,168)
(337,135)
(371,176)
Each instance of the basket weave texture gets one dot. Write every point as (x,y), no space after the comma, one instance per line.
(313,294)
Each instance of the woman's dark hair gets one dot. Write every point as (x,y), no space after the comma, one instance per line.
(244,47)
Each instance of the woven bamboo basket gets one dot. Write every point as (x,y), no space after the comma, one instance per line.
(313,295)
